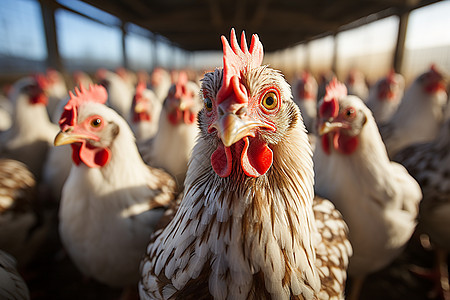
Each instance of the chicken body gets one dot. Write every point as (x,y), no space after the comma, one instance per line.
(377,198)
(120,93)
(171,147)
(385,97)
(246,227)
(111,200)
(145,113)
(31,133)
(429,164)
(356,84)
(419,115)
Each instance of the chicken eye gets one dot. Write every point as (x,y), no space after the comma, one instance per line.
(350,113)
(208,104)
(270,100)
(96,122)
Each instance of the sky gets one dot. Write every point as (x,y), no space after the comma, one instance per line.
(22,33)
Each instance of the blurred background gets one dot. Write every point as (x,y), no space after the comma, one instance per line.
(372,36)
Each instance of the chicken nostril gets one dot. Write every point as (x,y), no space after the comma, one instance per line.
(242,110)
(220,111)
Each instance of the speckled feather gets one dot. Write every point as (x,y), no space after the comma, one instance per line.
(250,238)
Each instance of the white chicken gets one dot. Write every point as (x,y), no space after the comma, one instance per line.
(377,198)
(419,115)
(305,96)
(385,97)
(247,227)
(111,200)
(145,113)
(160,83)
(172,145)
(55,89)
(120,93)
(31,133)
(356,84)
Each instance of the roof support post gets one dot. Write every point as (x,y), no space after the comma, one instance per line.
(48,17)
(401,38)
(124,45)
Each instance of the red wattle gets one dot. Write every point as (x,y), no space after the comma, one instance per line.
(222,161)
(142,117)
(256,157)
(345,144)
(189,117)
(175,116)
(91,156)
(326,144)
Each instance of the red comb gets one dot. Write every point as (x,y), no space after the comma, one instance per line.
(330,105)
(237,60)
(180,86)
(41,81)
(96,93)
(141,86)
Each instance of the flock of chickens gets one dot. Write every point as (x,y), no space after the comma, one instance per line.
(228,187)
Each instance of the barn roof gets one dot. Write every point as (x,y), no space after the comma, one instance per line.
(196,24)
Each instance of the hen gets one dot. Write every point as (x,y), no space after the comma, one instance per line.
(356,84)
(160,83)
(385,96)
(419,115)
(144,114)
(429,164)
(247,227)
(377,198)
(120,93)
(111,200)
(172,145)
(305,96)
(31,133)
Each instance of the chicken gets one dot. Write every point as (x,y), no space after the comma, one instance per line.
(12,285)
(171,147)
(247,227)
(55,89)
(111,200)
(120,93)
(305,96)
(144,114)
(81,78)
(429,164)
(377,198)
(385,96)
(31,133)
(419,115)
(22,226)
(356,84)
(160,83)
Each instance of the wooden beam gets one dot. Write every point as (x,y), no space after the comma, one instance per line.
(48,16)
(401,38)
(124,46)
